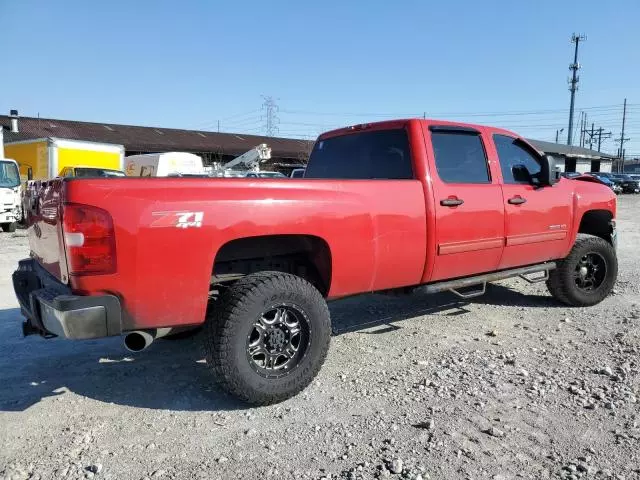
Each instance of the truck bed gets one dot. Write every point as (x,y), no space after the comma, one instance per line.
(165,253)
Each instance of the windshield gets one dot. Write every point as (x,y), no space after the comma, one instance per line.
(9,175)
(599,176)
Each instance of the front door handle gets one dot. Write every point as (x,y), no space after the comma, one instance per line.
(451,202)
(517,200)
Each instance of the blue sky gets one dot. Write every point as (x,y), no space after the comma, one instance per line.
(331,63)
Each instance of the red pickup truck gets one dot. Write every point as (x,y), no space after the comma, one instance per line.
(401,205)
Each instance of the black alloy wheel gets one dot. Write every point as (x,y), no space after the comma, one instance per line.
(278,340)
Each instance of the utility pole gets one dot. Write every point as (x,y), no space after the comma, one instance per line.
(218,126)
(573,82)
(600,134)
(593,133)
(583,125)
(558,132)
(622,138)
(270,117)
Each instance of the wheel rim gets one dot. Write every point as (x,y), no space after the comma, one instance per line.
(278,340)
(590,272)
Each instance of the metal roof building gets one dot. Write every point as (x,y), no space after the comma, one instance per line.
(211,146)
(575,159)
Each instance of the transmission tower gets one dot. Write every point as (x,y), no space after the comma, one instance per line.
(270,117)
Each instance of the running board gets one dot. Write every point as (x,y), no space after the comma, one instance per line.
(481,280)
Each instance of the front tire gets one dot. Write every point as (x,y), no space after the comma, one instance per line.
(9,227)
(267,336)
(587,275)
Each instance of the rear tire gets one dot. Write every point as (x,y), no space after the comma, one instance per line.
(9,227)
(267,336)
(587,275)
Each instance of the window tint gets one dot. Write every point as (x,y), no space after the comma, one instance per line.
(460,157)
(510,153)
(382,154)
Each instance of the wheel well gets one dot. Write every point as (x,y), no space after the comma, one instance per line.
(304,255)
(598,223)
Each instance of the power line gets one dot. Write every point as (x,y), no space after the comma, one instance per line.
(601,108)
(600,136)
(240,115)
(249,121)
(596,135)
(609,112)
(211,123)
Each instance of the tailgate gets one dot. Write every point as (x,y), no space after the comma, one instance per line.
(45,226)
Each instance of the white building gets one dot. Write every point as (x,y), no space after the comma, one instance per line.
(570,158)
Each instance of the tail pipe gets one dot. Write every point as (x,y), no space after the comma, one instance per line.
(138,340)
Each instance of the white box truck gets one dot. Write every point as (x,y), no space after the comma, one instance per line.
(163,164)
(10,211)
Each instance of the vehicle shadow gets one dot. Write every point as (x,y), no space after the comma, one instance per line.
(172,374)
(375,310)
(498,294)
(169,375)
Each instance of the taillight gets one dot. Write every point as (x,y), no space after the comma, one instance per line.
(89,239)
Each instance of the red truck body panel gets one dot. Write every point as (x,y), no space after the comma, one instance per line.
(381,234)
(163,271)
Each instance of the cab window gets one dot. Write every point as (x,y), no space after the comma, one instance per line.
(460,157)
(512,152)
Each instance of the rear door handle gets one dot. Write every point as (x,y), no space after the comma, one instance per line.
(517,200)
(451,202)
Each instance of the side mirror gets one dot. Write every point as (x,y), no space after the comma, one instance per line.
(521,174)
(549,174)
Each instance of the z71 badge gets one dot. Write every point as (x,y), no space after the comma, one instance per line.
(177,219)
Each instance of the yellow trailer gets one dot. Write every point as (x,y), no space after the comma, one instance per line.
(47,157)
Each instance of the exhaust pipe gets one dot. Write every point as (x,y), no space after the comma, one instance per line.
(138,340)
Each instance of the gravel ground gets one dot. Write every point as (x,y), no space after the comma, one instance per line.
(509,385)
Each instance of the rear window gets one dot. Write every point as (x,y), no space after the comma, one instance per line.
(97,172)
(380,154)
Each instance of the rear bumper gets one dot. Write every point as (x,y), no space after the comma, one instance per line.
(51,309)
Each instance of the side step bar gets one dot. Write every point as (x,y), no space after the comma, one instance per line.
(481,280)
